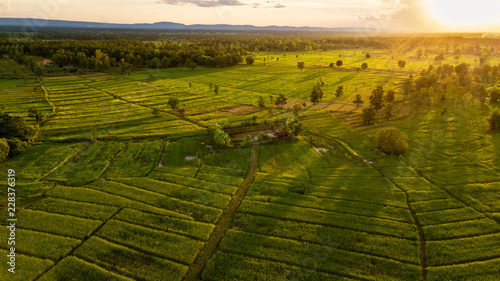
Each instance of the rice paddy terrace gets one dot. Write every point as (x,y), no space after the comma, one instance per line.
(112,192)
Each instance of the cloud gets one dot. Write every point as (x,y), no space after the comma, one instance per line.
(407,15)
(203,3)
(412,15)
(278,6)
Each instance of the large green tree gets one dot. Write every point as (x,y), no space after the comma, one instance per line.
(173,103)
(316,94)
(300,65)
(368,115)
(392,141)
(377,98)
(249,60)
(358,100)
(281,100)
(220,136)
(340,91)
(294,126)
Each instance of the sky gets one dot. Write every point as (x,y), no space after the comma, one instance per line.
(400,15)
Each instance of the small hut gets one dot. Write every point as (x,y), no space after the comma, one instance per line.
(279,136)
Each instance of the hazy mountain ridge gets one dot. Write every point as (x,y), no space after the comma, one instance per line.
(33,23)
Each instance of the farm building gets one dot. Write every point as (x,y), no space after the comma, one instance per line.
(281,136)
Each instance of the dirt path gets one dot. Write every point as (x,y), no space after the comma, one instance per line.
(224,222)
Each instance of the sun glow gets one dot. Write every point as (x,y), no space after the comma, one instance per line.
(465,14)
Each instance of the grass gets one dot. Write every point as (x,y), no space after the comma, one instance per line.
(224,266)
(168,245)
(87,195)
(289,159)
(483,197)
(351,240)
(463,250)
(460,229)
(73,208)
(287,194)
(184,227)
(136,161)
(198,211)
(186,193)
(311,212)
(72,268)
(348,221)
(88,165)
(27,267)
(43,245)
(333,260)
(69,226)
(129,262)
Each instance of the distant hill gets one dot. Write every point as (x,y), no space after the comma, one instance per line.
(30,23)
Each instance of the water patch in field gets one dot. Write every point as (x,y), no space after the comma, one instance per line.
(321,150)
(191,157)
(159,163)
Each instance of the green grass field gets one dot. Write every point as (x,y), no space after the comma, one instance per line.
(112,192)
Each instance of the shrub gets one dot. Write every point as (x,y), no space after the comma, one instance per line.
(494,93)
(4,149)
(17,146)
(495,120)
(392,141)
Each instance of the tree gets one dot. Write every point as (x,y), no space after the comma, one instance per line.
(388,111)
(377,98)
(16,127)
(173,103)
(316,94)
(339,63)
(332,64)
(368,56)
(216,89)
(300,65)
(156,112)
(261,102)
(16,146)
(4,149)
(37,68)
(39,116)
(419,53)
(294,126)
(407,87)
(249,60)
(364,65)
(280,100)
(368,115)
(358,100)
(402,63)
(340,91)
(296,109)
(494,93)
(392,141)
(220,136)
(494,119)
(390,96)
